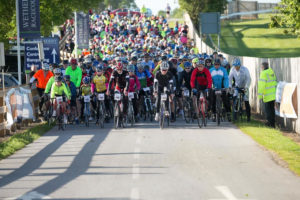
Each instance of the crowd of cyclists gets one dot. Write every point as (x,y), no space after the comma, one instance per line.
(139,68)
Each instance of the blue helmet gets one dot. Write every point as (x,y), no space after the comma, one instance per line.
(131,68)
(236,62)
(99,68)
(86,80)
(187,65)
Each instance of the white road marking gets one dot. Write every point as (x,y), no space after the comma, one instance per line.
(227,193)
(135,194)
(137,153)
(138,140)
(30,196)
(136,171)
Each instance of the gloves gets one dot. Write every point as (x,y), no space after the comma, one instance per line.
(194,91)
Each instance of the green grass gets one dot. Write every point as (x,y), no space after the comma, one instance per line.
(275,141)
(18,141)
(254,38)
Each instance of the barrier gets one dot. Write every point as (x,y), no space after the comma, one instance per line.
(286,69)
(10,102)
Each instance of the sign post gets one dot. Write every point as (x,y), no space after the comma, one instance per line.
(28,24)
(210,24)
(82,31)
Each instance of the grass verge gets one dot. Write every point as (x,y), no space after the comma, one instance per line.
(19,140)
(275,141)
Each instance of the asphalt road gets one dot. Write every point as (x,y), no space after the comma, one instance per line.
(177,163)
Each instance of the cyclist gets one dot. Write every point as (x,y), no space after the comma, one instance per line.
(85,90)
(200,80)
(220,80)
(208,63)
(42,76)
(163,78)
(59,89)
(147,61)
(242,80)
(134,86)
(73,92)
(120,80)
(185,76)
(99,85)
(75,73)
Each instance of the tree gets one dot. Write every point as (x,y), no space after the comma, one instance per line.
(177,13)
(162,13)
(289,17)
(120,3)
(194,7)
(52,13)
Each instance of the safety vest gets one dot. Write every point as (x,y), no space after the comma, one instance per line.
(267,85)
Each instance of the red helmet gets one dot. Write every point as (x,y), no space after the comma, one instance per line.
(119,66)
(73,61)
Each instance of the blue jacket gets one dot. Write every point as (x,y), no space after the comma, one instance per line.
(219,77)
(73,90)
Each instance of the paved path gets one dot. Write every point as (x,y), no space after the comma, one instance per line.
(215,163)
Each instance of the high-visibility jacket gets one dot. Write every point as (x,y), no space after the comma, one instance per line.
(42,80)
(267,84)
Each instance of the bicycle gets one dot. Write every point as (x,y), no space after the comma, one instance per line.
(163,112)
(238,104)
(86,111)
(100,109)
(147,105)
(130,114)
(119,119)
(201,109)
(220,110)
(187,105)
(60,112)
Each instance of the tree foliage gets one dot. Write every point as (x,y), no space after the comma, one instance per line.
(162,13)
(52,13)
(120,4)
(289,16)
(194,8)
(177,13)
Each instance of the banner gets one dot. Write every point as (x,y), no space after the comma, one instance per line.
(82,30)
(29,18)
(286,100)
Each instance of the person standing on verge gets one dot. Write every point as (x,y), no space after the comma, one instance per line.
(267,84)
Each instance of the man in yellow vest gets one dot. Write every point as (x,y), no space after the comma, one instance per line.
(267,84)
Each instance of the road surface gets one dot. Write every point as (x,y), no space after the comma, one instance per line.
(177,163)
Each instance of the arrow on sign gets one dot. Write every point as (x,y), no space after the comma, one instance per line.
(54,55)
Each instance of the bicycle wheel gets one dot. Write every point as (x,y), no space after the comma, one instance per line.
(204,110)
(131,116)
(199,116)
(116,115)
(187,112)
(101,115)
(162,117)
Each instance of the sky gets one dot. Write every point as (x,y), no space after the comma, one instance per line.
(157,5)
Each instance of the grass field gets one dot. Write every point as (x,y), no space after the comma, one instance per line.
(274,141)
(254,38)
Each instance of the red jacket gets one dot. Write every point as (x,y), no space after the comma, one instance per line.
(201,80)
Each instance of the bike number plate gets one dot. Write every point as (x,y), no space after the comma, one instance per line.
(146,89)
(100,97)
(164,97)
(117,97)
(86,99)
(59,100)
(186,93)
(131,95)
(218,92)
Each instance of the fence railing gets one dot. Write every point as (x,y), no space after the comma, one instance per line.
(286,69)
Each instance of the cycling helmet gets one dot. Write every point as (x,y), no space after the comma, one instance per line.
(58,78)
(164,58)
(99,68)
(119,66)
(195,60)
(134,58)
(86,80)
(201,62)
(88,60)
(164,65)
(187,64)
(218,61)
(67,77)
(131,68)
(140,66)
(236,62)
(73,61)
(45,66)
(57,71)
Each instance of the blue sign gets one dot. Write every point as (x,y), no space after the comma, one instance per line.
(29,18)
(51,51)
